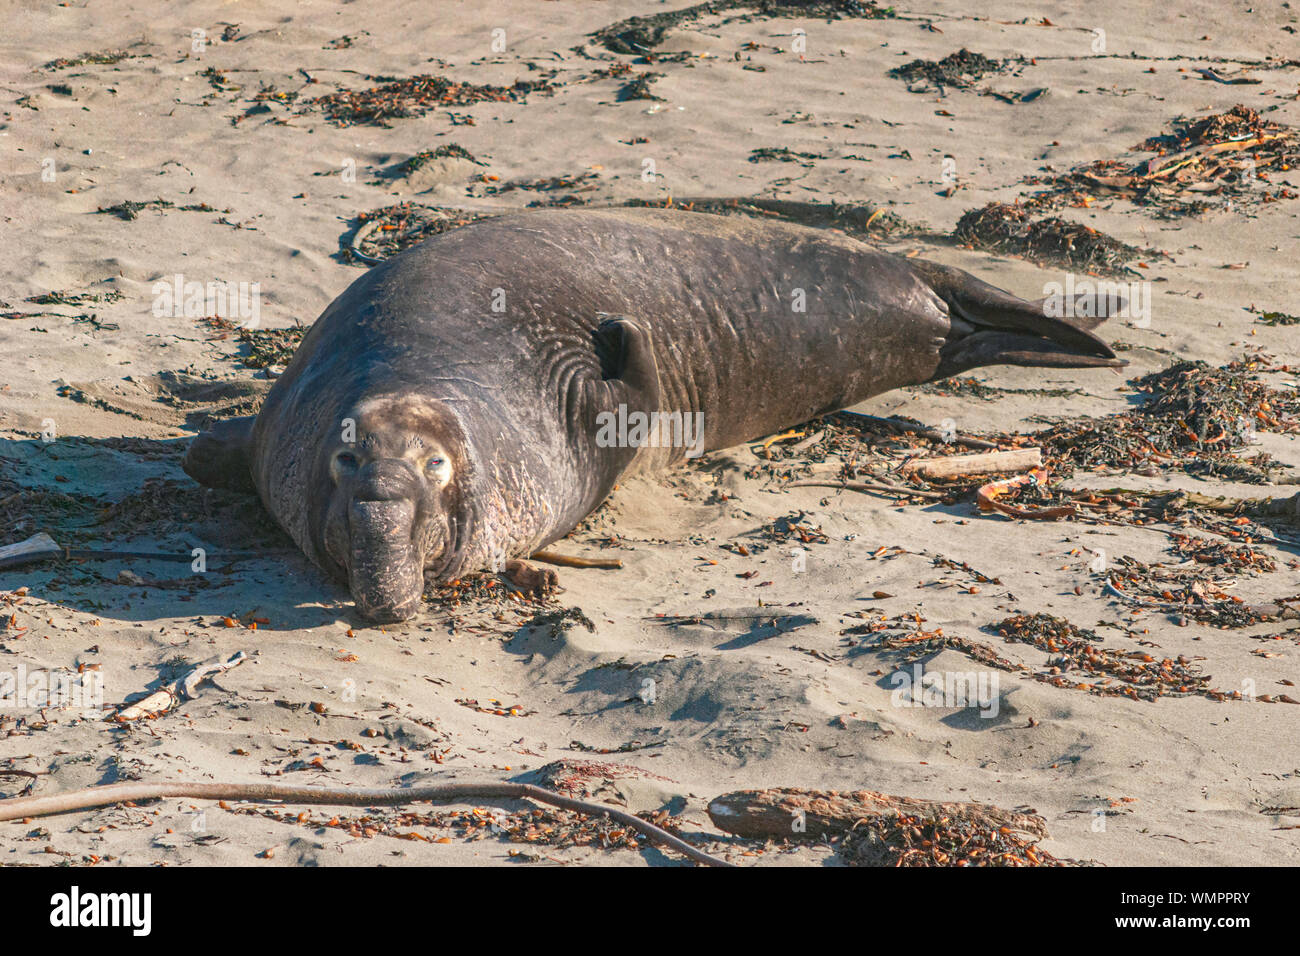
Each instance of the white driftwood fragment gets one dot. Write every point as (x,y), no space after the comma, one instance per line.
(33,549)
(988,463)
(161,701)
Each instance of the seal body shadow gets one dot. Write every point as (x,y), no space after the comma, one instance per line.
(489,360)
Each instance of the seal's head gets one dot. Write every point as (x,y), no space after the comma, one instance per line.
(396,505)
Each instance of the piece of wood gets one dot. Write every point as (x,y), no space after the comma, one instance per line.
(989,463)
(23,807)
(1163,165)
(36,548)
(573,561)
(40,547)
(869,486)
(161,701)
(792,813)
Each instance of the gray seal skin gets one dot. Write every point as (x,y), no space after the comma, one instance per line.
(443,415)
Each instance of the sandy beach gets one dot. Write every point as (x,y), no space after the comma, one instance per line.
(1140,655)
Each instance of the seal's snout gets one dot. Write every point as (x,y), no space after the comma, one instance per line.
(385,571)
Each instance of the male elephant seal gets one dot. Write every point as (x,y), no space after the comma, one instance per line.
(451,411)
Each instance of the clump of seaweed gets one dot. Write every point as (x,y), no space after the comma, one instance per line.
(415,96)
(782,154)
(859,219)
(107,57)
(908,840)
(640,35)
(77,298)
(1274,318)
(130,209)
(638,88)
(1195,417)
(1011,228)
(962,69)
(1238,125)
(382,233)
(267,348)
(271,347)
(1222,161)
(426,156)
(1187,593)
(1111,673)
(581,182)
(982,391)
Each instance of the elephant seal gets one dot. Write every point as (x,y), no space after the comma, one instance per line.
(464,403)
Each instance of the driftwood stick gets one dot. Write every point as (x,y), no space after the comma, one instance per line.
(572,561)
(869,486)
(161,701)
(1272,507)
(990,463)
(24,807)
(773,814)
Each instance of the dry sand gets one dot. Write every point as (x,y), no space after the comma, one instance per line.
(326,700)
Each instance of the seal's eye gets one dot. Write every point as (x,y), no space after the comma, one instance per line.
(343,463)
(438,469)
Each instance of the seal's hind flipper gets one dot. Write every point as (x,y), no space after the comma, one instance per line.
(219,456)
(990,326)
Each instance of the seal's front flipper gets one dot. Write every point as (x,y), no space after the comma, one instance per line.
(219,456)
(614,400)
(627,357)
(628,372)
(529,578)
(990,326)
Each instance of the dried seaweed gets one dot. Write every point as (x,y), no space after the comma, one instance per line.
(962,69)
(640,35)
(859,219)
(982,391)
(783,154)
(1196,417)
(1222,161)
(76,298)
(382,233)
(580,182)
(1110,673)
(415,96)
(426,156)
(638,88)
(903,840)
(130,209)
(1011,228)
(104,58)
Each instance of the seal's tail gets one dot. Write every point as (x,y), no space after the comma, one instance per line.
(994,327)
